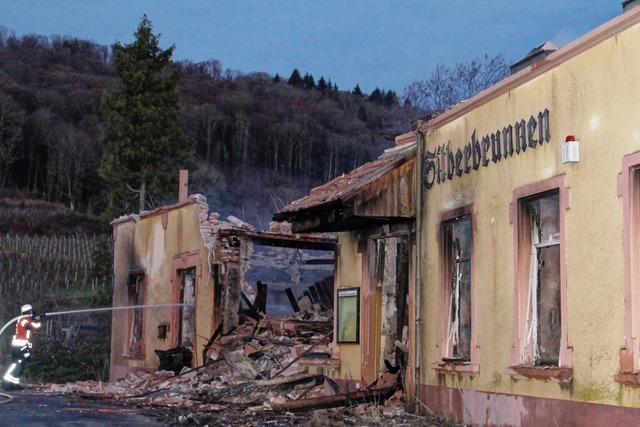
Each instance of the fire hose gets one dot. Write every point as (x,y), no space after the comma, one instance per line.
(8,398)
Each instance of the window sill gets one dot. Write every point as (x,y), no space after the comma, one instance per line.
(458,367)
(628,378)
(563,375)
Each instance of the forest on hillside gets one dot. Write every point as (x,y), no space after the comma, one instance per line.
(260,140)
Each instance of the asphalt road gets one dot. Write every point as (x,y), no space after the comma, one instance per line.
(31,409)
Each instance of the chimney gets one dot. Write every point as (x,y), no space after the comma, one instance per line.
(183,186)
(627,5)
(535,55)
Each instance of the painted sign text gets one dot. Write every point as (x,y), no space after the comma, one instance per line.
(444,163)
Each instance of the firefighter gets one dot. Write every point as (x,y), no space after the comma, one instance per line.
(27,326)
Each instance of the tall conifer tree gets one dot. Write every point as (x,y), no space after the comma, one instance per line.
(357,91)
(295,79)
(144,147)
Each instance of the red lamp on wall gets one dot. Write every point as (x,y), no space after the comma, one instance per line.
(571,150)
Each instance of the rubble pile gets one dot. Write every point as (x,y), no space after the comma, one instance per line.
(256,371)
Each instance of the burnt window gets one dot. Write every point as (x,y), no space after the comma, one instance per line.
(135,297)
(540,216)
(186,325)
(391,275)
(458,246)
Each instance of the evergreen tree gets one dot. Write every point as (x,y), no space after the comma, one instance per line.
(276,79)
(332,89)
(102,260)
(390,99)
(295,79)
(357,91)
(308,81)
(322,85)
(144,148)
(376,96)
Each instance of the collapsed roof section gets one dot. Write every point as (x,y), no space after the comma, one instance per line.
(212,226)
(378,192)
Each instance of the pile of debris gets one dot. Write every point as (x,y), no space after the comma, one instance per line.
(258,370)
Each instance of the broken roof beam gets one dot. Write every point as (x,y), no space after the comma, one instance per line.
(382,188)
(339,222)
(295,241)
(315,295)
(292,300)
(344,399)
(327,285)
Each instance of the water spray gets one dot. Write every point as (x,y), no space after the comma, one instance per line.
(8,398)
(93,310)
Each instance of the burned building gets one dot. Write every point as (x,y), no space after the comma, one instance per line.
(372,210)
(183,254)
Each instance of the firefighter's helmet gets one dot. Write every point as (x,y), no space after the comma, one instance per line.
(26,309)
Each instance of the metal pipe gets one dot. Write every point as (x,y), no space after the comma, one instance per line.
(417,304)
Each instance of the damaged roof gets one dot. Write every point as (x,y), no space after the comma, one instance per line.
(347,185)
(343,190)
(211,225)
(135,217)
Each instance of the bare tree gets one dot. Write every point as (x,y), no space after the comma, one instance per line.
(11,121)
(448,85)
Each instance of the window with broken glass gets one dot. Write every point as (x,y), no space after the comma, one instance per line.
(542,332)
(457,245)
(135,296)
(391,274)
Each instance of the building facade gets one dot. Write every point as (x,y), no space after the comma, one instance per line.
(164,257)
(528,280)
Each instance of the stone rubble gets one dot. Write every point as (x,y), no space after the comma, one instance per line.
(257,367)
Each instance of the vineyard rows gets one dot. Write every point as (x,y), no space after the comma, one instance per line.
(33,266)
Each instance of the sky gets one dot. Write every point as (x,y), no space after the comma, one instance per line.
(376,43)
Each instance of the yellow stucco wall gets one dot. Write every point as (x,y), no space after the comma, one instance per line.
(148,246)
(349,275)
(596,97)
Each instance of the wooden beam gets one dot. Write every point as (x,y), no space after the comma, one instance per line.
(344,399)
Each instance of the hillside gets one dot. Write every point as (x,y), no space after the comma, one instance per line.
(260,141)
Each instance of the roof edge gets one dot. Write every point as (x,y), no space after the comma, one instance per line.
(405,138)
(146,214)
